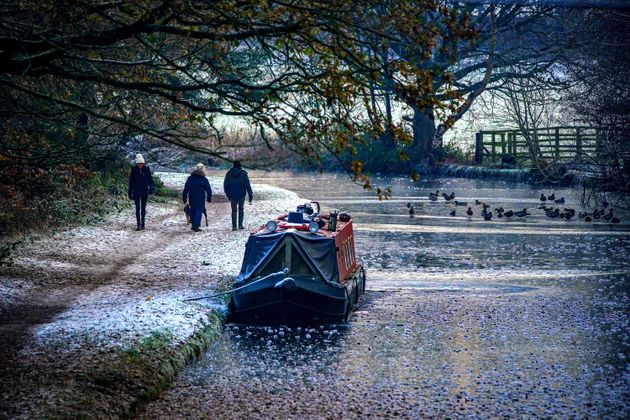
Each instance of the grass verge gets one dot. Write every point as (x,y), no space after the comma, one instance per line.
(123,381)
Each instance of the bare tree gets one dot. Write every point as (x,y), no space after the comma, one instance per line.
(506,36)
(599,65)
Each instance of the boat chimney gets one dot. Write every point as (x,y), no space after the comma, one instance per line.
(332,222)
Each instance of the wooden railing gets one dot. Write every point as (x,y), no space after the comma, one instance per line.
(557,144)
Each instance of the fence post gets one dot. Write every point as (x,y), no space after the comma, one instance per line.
(494,147)
(514,150)
(557,146)
(479,147)
(578,144)
(503,144)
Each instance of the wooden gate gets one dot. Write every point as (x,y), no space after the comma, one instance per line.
(557,144)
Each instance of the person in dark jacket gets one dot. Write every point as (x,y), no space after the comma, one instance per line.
(140,186)
(235,185)
(196,191)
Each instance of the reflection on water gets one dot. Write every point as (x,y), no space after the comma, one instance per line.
(521,317)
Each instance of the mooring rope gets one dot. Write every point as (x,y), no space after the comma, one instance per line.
(285,272)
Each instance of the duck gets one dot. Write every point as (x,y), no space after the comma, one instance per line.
(485,206)
(588,219)
(568,215)
(508,213)
(408,205)
(477,203)
(432,197)
(487,215)
(411,211)
(521,213)
(448,197)
(553,214)
(551,197)
(542,197)
(499,209)
(608,216)
(499,214)
(460,203)
(559,201)
(615,220)
(452,213)
(469,211)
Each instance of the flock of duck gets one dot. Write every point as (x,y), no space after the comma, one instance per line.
(547,205)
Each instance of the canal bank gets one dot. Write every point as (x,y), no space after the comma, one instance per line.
(93,321)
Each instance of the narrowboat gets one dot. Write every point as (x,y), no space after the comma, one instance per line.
(299,268)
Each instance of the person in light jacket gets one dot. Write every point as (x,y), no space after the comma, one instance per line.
(196,191)
(140,186)
(235,185)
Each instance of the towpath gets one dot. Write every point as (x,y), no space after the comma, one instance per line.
(74,298)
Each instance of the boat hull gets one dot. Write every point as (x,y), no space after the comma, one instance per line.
(290,299)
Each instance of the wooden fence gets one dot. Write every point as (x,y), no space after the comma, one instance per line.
(557,144)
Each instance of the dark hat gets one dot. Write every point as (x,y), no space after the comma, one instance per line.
(237,163)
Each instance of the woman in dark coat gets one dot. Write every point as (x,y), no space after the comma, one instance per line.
(196,191)
(140,186)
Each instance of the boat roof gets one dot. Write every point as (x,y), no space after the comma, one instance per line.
(317,251)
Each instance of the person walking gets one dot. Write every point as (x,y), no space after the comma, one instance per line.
(140,186)
(196,191)
(235,185)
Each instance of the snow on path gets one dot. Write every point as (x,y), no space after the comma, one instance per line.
(145,291)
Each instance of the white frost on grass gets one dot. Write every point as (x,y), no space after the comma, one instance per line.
(11,289)
(124,321)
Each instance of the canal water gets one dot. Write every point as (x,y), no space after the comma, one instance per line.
(463,317)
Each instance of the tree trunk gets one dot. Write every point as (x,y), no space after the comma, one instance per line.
(388,87)
(423,124)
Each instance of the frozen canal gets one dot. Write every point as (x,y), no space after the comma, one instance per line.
(462,318)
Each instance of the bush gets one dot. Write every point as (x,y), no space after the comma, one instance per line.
(65,196)
(451,153)
(377,158)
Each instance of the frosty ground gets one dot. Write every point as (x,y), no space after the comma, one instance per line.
(462,318)
(87,314)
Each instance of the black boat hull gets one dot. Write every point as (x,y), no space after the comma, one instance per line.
(290,299)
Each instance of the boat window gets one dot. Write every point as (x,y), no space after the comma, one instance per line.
(298,265)
(275,264)
(288,256)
